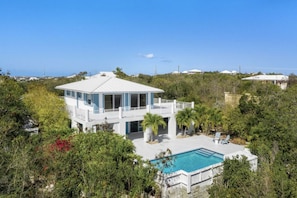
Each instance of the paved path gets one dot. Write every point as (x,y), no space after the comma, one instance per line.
(178,145)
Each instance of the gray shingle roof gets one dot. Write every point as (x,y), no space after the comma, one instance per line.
(105,84)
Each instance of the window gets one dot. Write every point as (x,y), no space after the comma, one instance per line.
(68,93)
(112,101)
(89,99)
(134,126)
(78,95)
(134,100)
(142,100)
(117,101)
(108,101)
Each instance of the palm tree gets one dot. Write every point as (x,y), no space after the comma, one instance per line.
(185,118)
(200,116)
(216,118)
(152,122)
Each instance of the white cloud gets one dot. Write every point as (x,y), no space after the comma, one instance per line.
(149,56)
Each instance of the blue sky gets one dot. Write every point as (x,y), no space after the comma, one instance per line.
(63,37)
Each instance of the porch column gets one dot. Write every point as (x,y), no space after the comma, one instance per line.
(172,127)
(148,108)
(192,105)
(174,106)
(122,128)
(159,100)
(120,112)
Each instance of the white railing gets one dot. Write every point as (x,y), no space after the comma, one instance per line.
(161,107)
(191,179)
(179,104)
(205,176)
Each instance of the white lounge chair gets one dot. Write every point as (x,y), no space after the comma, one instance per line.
(226,140)
(217,137)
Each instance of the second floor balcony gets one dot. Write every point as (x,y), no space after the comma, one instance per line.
(161,107)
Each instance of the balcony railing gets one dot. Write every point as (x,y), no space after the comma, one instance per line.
(161,107)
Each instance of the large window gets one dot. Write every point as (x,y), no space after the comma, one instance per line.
(79,95)
(138,100)
(135,126)
(117,101)
(134,100)
(108,101)
(89,99)
(142,100)
(112,101)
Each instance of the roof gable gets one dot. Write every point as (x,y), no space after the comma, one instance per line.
(105,84)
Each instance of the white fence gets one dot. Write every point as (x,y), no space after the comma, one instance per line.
(205,176)
(199,177)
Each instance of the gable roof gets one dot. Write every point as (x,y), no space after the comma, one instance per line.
(104,84)
(268,77)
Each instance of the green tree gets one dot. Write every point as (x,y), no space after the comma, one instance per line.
(215,117)
(13,113)
(48,110)
(152,122)
(119,73)
(200,116)
(102,164)
(237,179)
(185,118)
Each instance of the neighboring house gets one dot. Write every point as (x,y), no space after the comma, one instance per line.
(120,103)
(279,80)
(228,72)
(194,71)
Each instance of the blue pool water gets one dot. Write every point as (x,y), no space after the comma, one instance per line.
(191,160)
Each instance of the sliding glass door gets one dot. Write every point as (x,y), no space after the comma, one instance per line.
(112,102)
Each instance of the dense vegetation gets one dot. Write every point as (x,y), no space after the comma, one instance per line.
(85,163)
(265,119)
(58,162)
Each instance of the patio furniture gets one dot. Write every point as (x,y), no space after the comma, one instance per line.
(226,140)
(217,137)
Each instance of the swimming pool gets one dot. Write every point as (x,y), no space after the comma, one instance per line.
(191,160)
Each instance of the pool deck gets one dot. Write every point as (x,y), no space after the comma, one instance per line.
(181,144)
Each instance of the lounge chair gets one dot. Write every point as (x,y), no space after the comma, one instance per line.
(226,140)
(217,137)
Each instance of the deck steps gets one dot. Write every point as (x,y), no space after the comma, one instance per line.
(204,152)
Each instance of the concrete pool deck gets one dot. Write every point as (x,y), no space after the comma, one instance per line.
(181,144)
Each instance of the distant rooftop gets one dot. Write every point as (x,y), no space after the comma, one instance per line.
(268,78)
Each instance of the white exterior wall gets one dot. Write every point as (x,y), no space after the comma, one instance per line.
(83,113)
(70,101)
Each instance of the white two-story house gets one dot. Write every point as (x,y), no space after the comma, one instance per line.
(120,103)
